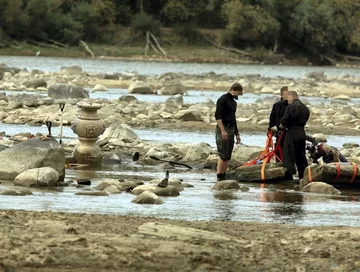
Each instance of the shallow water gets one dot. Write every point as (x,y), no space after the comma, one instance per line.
(52,64)
(200,202)
(167,136)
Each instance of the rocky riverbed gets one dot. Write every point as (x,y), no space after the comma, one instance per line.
(47,241)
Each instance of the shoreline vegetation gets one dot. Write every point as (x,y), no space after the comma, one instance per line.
(180,54)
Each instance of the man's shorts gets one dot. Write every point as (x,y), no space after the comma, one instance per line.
(225,148)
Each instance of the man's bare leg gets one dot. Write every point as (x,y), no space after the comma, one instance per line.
(222,167)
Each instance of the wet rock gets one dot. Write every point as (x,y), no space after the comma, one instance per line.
(106,183)
(13,192)
(71,70)
(245,189)
(343,97)
(173,87)
(226,185)
(173,182)
(346,145)
(187,185)
(92,193)
(99,88)
(176,100)
(37,177)
(318,76)
(135,156)
(127,98)
(128,185)
(243,154)
(112,189)
(111,159)
(140,88)
(320,188)
(111,76)
(35,83)
(3,147)
(67,91)
(189,115)
(320,138)
(160,191)
(147,197)
(226,195)
(198,153)
(120,131)
(32,153)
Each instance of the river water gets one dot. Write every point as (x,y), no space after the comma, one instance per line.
(200,202)
(155,68)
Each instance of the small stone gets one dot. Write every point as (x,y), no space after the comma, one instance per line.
(112,189)
(245,189)
(225,195)
(321,188)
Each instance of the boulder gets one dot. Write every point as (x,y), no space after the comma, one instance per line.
(160,191)
(318,76)
(35,83)
(112,189)
(243,154)
(320,138)
(121,185)
(120,131)
(140,88)
(173,87)
(111,159)
(198,153)
(227,185)
(99,88)
(173,182)
(127,98)
(71,70)
(343,97)
(176,100)
(321,188)
(32,153)
(66,91)
(189,115)
(226,195)
(38,177)
(147,197)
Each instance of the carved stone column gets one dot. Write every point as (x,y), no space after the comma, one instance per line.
(88,126)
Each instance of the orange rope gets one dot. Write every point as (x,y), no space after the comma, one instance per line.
(338,171)
(355,171)
(310,174)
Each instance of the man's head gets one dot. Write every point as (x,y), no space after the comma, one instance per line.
(284,93)
(236,90)
(292,95)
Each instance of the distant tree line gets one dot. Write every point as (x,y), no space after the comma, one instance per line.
(316,26)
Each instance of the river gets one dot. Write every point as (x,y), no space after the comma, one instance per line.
(51,64)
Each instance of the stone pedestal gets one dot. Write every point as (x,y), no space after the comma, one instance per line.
(88,126)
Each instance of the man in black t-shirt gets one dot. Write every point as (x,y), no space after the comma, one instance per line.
(226,128)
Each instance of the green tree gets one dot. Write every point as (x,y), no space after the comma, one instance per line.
(248,24)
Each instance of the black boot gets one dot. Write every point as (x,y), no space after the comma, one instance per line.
(220,177)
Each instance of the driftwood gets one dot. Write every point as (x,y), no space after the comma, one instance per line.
(87,48)
(184,233)
(273,172)
(57,43)
(127,41)
(150,36)
(229,49)
(44,44)
(171,162)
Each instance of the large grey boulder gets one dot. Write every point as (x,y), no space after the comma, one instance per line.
(198,153)
(176,100)
(71,70)
(66,91)
(173,87)
(147,197)
(160,191)
(321,188)
(32,153)
(35,83)
(140,88)
(120,131)
(189,115)
(38,177)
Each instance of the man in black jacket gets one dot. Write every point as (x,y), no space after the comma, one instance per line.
(276,114)
(294,120)
(226,128)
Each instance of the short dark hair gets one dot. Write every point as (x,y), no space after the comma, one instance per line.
(294,94)
(283,89)
(236,87)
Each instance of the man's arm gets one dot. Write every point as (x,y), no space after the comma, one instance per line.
(285,119)
(272,121)
(218,116)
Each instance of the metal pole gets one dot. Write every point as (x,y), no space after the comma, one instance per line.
(62,106)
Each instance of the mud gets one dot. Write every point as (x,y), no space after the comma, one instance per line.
(46,241)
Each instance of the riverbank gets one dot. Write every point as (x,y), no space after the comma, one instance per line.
(47,241)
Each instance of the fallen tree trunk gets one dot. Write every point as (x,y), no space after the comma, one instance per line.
(252,173)
(158,44)
(87,48)
(229,49)
(44,44)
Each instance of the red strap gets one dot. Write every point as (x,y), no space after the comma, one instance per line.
(355,171)
(310,174)
(263,168)
(338,171)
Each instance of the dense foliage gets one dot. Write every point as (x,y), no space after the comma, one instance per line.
(315,26)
